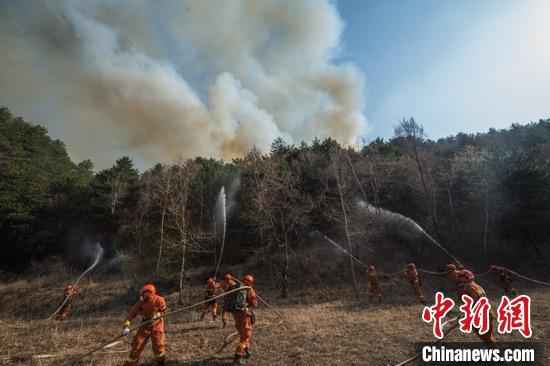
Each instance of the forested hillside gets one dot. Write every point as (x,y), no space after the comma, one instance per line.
(486,197)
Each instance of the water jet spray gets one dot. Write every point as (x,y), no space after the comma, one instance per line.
(221,208)
(99,255)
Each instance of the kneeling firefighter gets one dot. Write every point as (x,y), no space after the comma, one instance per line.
(242,305)
(151,307)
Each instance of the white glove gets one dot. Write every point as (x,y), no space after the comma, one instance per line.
(126,332)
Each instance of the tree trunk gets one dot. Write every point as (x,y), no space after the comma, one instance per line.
(140,238)
(374,185)
(452,210)
(486,223)
(356,177)
(161,239)
(182,271)
(284,294)
(429,196)
(346,227)
(215,219)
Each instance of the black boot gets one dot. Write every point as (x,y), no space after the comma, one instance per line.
(161,361)
(239,360)
(247,352)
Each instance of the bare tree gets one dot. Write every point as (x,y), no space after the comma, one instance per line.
(163,192)
(414,134)
(474,165)
(139,223)
(181,175)
(346,228)
(278,204)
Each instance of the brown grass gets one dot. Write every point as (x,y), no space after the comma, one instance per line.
(322,327)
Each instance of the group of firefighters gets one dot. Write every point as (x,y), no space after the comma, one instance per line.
(458,275)
(152,308)
(241,303)
(463,279)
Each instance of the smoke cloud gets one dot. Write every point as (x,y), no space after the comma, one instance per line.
(172,79)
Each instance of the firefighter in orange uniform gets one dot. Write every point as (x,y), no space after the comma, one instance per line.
(229,283)
(505,280)
(373,286)
(68,297)
(411,274)
(465,285)
(242,306)
(212,289)
(150,307)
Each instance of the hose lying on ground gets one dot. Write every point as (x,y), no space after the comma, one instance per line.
(229,338)
(451,328)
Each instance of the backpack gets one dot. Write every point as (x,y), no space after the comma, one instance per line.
(237,301)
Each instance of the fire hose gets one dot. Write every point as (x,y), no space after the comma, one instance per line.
(67,297)
(229,338)
(432,273)
(147,322)
(522,276)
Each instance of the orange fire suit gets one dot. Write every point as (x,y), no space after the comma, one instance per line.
(147,309)
(68,297)
(505,281)
(212,289)
(244,323)
(467,286)
(411,274)
(373,286)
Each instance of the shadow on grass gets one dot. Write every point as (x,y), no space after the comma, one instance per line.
(182,330)
(205,362)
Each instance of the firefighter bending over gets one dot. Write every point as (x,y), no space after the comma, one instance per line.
(465,285)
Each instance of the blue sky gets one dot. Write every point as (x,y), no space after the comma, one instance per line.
(462,65)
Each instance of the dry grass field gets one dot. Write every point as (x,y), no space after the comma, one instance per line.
(322,326)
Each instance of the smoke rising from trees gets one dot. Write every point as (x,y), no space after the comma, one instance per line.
(183,79)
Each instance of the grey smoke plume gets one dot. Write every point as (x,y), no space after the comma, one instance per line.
(179,78)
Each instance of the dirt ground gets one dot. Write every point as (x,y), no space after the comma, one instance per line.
(318,326)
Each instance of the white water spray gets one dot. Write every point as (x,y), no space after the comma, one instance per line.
(342,249)
(98,256)
(404,224)
(221,211)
